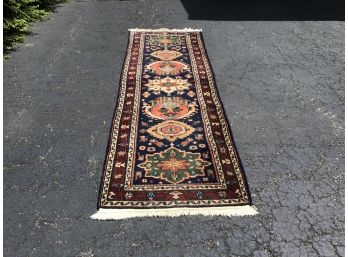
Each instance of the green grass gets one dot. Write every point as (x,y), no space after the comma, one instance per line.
(19,14)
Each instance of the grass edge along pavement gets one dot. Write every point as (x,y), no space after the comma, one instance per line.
(19,15)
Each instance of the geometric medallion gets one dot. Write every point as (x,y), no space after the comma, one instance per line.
(170,108)
(171,130)
(166,55)
(167,67)
(174,165)
(168,85)
(164,40)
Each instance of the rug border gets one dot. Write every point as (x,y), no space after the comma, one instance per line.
(112,125)
(228,121)
(199,31)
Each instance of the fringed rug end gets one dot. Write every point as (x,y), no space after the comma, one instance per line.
(118,214)
(165,30)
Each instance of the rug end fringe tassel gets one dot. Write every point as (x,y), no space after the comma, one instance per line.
(165,30)
(118,214)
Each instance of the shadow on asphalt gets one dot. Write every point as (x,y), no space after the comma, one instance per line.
(265,10)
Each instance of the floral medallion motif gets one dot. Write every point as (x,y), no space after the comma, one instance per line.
(166,55)
(170,108)
(164,40)
(167,67)
(171,130)
(168,85)
(174,165)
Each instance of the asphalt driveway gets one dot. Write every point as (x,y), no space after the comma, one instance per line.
(282,85)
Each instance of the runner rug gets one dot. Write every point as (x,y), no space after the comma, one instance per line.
(170,151)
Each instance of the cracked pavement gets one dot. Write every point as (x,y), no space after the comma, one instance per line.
(281,83)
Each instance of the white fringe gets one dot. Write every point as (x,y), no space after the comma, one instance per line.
(118,214)
(166,30)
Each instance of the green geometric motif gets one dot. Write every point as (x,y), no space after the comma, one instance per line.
(164,40)
(174,165)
